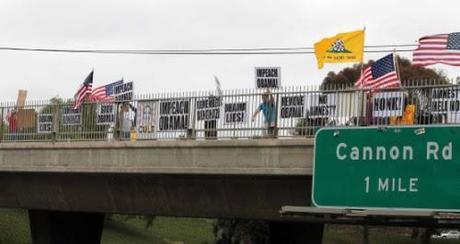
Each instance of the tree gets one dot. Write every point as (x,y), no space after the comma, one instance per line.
(235,231)
(88,129)
(408,75)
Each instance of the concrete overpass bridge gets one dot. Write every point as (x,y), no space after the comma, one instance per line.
(59,182)
(202,172)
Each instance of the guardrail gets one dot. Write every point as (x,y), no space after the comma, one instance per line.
(286,113)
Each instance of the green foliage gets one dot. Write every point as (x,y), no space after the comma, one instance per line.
(163,230)
(14,226)
(184,230)
(234,231)
(88,128)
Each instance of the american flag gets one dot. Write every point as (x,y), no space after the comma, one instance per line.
(105,93)
(381,74)
(84,89)
(442,48)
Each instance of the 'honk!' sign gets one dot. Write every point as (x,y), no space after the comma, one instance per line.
(386,104)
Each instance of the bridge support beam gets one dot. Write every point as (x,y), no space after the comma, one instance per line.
(49,227)
(296,232)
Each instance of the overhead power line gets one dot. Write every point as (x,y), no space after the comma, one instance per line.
(216,51)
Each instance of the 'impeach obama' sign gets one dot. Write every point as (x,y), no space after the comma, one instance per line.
(174,115)
(268,77)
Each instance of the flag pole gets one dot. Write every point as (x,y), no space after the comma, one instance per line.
(361,92)
(395,61)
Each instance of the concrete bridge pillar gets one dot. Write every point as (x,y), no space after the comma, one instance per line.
(53,227)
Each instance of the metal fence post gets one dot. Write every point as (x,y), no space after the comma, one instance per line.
(3,125)
(277,108)
(192,132)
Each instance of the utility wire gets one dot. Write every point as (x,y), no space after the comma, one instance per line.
(220,51)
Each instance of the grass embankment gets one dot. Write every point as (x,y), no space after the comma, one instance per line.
(164,230)
(14,229)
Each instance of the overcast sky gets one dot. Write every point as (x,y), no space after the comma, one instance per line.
(185,24)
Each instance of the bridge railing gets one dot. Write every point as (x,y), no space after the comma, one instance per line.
(288,112)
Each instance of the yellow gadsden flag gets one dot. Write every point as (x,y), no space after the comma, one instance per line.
(341,48)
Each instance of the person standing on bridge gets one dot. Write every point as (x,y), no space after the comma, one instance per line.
(125,121)
(268,108)
(12,124)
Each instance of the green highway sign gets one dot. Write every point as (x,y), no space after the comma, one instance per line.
(412,167)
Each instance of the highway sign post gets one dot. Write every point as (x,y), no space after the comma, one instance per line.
(395,167)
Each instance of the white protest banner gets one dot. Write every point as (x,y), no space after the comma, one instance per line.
(235,112)
(208,108)
(124,92)
(386,104)
(320,105)
(71,116)
(446,101)
(105,114)
(268,77)
(174,115)
(146,116)
(292,106)
(45,123)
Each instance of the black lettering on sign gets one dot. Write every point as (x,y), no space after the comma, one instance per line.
(208,109)
(268,77)
(124,87)
(45,123)
(105,118)
(291,112)
(443,93)
(269,72)
(106,109)
(174,115)
(292,107)
(174,107)
(208,114)
(46,127)
(454,106)
(267,83)
(387,103)
(439,106)
(71,116)
(44,118)
(105,114)
(173,122)
(322,111)
(235,112)
(124,97)
(322,99)
(212,102)
(71,119)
